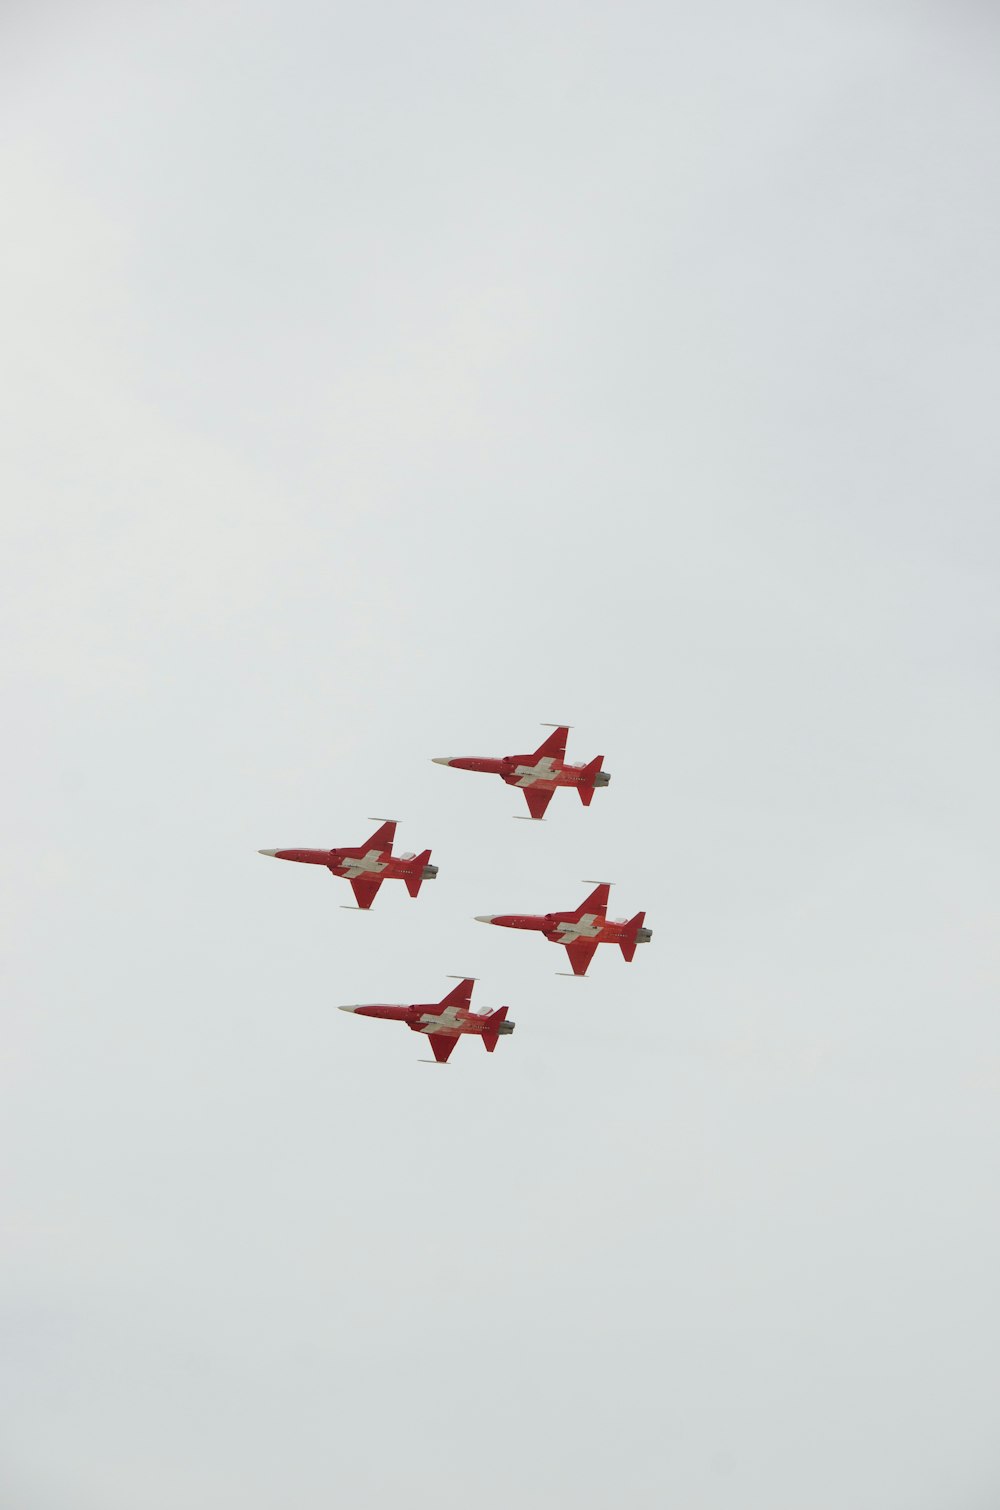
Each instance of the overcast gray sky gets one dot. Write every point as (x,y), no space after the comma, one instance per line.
(377,383)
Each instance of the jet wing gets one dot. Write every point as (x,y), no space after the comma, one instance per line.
(596,902)
(383,837)
(442,1044)
(555,744)
(580,954)
(537,801)
(365,890)
(460,995)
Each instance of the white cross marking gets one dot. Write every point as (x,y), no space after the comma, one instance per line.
(588,927)
(368,865)
(543,771)
(449,1018)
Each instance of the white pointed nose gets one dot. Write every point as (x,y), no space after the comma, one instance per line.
(271,852)
(348,1009)
(487,917)
(442,759)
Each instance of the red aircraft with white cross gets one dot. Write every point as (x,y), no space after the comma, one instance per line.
(581,931)
(445,1022)
(367,866)
(540,773)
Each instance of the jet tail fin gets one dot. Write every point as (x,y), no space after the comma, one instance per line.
(628,946)
(587,785)
(492,1034)
(414,883)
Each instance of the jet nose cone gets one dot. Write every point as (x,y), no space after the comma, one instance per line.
(442,759)
(487,917)
(271,852)
(347,1009)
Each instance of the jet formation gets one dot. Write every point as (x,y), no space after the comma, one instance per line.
(366,866)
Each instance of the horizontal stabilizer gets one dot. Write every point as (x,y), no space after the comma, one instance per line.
(587,782)
(492,1033)
(420,866)
(634,925)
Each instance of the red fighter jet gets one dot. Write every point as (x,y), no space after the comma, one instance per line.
(446,1021)
(581,931)
(367,866)
(539,773)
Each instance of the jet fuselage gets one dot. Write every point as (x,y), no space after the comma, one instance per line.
(357,862)
(582,930)
(431,1017)
(565,927)
(538,774)
(444,1022)
(367,865)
